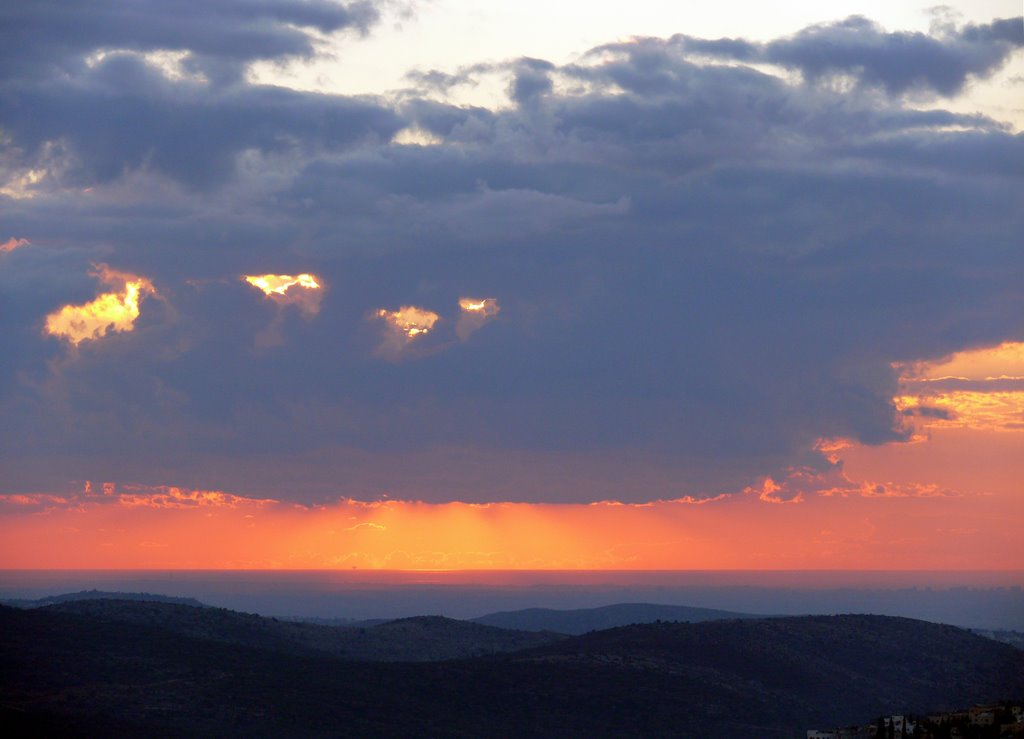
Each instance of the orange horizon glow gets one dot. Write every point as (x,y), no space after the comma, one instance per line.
(109,312)
(806,520)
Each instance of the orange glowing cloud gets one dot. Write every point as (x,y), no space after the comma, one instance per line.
(800,484)
(133,496)
(980,389)
(770,491)
(113,311)
(401,327)
(966,409)
(410,320)
(997,362)
(171,497)
(966,415)
(474,313)
(302,290)
(11,244)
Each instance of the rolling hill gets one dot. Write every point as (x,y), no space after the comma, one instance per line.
(416,639)
(97,595)
(72,672)
(582,620)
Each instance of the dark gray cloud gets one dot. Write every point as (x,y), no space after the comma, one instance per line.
(124,115)
(897,62)
(41,39)
(701,270)
(80,99)
(532,78)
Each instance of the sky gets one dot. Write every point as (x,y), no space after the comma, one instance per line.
(450,285)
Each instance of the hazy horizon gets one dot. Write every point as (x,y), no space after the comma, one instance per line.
(992,600)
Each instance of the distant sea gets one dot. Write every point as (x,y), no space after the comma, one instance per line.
(976,599)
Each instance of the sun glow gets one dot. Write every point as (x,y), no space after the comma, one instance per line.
(110,312)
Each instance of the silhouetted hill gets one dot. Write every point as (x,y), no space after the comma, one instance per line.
(437,638)
(423,638)
(74,673)
(582,620)
(98,595)
(843,666)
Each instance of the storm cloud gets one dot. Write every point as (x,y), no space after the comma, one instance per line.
(702,269)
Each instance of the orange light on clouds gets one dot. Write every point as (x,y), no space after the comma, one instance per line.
(281,284)
(966,412)
(401,327)
(998,362)
(967,409)
(114,311)
(486,306)
(11,244)
(409,320)
(474,313)
(980,389)
(304,291)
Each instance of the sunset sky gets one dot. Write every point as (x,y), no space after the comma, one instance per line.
(445,284)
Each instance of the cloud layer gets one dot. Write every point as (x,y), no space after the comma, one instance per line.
(703,264)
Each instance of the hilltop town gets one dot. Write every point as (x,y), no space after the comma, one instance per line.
(988,721)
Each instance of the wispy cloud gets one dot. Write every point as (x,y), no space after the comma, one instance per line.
(11,244)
